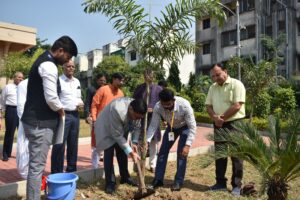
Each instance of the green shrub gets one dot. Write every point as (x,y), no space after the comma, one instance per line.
(284,99)
(260,123)
(198,101)
(262,107)
(202,117)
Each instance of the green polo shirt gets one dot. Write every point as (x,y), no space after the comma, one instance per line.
(223,97)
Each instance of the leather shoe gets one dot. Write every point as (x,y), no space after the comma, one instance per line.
(110,190)
(5,159)
(175,187)
(157,183)
(129,181)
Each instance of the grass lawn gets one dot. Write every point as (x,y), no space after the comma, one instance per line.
(195,187)
(84,130)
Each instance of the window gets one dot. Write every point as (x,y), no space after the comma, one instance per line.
(248,32)
(281,25)
(247,5)
(132,55)
(206,48)
(269,31)
(206,23)
(299,27)
(229,38)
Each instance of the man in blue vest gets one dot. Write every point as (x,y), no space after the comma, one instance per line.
(43,109)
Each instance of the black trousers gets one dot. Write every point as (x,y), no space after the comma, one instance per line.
(11,123)
(110,178)
(221,164)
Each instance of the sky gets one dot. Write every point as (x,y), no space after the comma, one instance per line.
(55,18)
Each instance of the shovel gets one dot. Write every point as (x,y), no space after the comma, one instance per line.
(143,191)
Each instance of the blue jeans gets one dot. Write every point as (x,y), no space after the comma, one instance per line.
(71,138)
(163,154)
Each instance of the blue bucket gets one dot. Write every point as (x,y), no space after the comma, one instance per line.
(61,186)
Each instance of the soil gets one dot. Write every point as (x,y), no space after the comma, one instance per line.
(196,185)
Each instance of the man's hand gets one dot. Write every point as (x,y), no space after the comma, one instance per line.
(150,110)
(135,147)
(61,112)
(185,151)
(218,121)
(88,120)
(135,157)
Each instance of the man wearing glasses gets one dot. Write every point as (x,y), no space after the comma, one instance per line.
(70,98)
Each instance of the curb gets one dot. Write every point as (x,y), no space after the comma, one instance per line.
(90,175)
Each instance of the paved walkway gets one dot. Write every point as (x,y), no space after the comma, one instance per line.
(9,172)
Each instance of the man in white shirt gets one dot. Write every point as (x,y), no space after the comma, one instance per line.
(179,115)
(9,104)
(43,109)
(70,98)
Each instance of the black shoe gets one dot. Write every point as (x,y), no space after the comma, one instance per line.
(110,190)
(5,159)
(175,187)
(218,187)
(157,183)
(129,181)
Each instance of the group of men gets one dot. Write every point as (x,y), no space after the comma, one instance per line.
(112,118)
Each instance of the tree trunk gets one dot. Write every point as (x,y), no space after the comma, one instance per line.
(277,189)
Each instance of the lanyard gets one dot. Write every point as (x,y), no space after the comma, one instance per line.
(172,121)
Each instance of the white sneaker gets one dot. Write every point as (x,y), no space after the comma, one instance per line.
(236,191)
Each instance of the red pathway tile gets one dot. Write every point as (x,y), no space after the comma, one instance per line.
(9,172)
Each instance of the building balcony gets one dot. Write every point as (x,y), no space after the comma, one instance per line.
(205,60)
(205,35)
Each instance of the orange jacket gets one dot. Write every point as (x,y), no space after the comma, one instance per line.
(103,97)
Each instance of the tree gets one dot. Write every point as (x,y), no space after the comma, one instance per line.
(166,39)
(277,162)
(174,78)
(40,44)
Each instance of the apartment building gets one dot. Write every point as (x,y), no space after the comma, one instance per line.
(257,17)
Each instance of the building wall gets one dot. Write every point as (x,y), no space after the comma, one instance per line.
(262,15)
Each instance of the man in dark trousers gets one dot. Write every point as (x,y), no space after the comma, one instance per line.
(9,104)
(43,109)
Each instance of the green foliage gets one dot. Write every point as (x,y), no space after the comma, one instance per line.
(15,62)
(165,39)
(40,44)
(174,78)
(202,117)
(277,162)
(262,107)
(199,83)
(198,102)
(283,100)
(272,47)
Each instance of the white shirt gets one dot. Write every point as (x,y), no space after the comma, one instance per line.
(70,95)
(9,95)
(21,97)
(49,74)
(183,115)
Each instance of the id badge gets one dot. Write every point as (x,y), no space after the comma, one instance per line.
(171,136)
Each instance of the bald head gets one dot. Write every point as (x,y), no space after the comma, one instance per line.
(18,77)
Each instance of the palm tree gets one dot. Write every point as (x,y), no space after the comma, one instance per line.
(278,160)
(164,39)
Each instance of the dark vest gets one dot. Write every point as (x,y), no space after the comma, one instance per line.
(36,110)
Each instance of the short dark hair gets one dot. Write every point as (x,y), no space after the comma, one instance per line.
(166,95)
(117,75)
(139,106)
(223,67)
(100,74)
(163,83)
(67,44)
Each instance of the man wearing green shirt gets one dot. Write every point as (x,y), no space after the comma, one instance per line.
(225,104)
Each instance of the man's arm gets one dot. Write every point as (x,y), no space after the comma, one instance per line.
(232,110)
(218,121)
(97,99)
(154,124)
(49,75)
